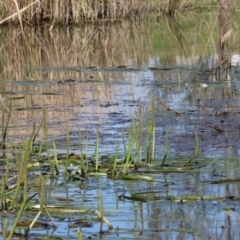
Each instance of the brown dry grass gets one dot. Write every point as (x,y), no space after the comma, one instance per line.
(89,10)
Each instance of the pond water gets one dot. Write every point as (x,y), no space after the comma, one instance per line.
(98,76)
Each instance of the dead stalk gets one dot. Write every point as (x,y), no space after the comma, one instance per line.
(17,13)
(92,10)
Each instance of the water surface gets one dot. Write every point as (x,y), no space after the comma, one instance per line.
(98,76)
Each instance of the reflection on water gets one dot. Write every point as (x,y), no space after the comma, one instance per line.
(70,72)
(99,75)
(158,219)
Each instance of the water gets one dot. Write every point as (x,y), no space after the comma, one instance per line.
(99,75)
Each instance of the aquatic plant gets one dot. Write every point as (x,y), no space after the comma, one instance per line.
(24,192)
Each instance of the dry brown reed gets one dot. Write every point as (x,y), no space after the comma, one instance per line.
(89,10)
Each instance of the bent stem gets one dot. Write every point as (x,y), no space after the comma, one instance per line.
(165,150)
(196,150)
(5,126)
(97,149)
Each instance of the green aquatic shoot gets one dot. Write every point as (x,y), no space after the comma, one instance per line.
(196,144)
(97,149)
(41,192)
(115,159)
(153,130)
(41,196)
(55,155)
(147,140)
(130,137)
(21,180)
(149,147)
(3,129)
(7,169)
(179,77)
(40,150)
(86,144)
(36,132)
(5,224)
(3,198)
(5,126)
(19,169)
(81,166)
(165,150)
(45,131)
(129,154)
(45,123)
(17,219)
(25,158)
(67,146)
(32,138)
(130,132)
(22,171)
(153,142)
(135,127)
(124,143)
(140,138)
(79,235)
(196,150)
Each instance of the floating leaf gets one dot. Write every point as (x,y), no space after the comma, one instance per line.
(64,199)
(50,93)
(28,223)
(134,177)
(55,209)
(17,98)
(159,68)
(236,180)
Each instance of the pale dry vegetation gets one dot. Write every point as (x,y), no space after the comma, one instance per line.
(70,11)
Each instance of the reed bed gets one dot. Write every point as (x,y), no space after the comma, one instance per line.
(90,10)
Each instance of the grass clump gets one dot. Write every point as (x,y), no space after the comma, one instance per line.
(26,191)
